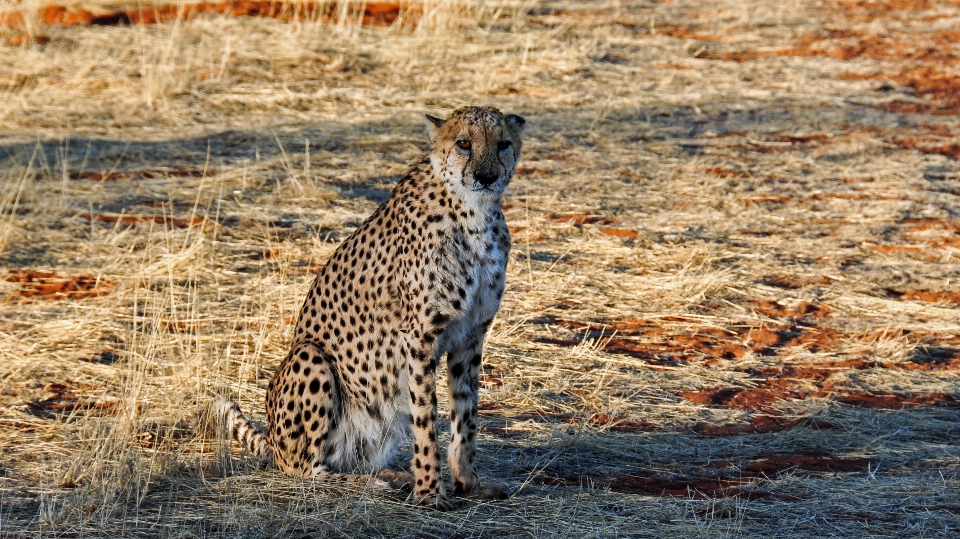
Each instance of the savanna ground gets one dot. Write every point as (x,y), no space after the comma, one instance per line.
(732,304)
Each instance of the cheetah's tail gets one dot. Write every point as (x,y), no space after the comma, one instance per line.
(229,416)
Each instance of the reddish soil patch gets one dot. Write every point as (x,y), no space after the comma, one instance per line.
(849,76)
(934,358)
(582,219)
(19,40)
(928,233)
(706,488)
(878,47)
(812,461)
(727,172)
(939,95)
(619,232)
(489,406)
(711,342)
(927,48)
(921,242)
(926,295)
(731,480)
(847,45)
(765,341)
(526,234)
(890,249)
(373,14)
(803,381)
(932,224)
(48,285)
(745,399)
(892,401)
(759,424)
(138,218)
(775,390)
(794,382)
(929,145)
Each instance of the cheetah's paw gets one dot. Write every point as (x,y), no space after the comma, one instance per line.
(485,492)
(436,501)
(396,480)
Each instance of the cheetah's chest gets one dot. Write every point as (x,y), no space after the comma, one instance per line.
(485,263)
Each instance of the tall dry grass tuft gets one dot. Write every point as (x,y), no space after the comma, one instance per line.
(13,185)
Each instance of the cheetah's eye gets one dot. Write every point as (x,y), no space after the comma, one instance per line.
(463,144)
(503,145)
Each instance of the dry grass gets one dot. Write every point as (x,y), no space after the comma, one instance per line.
(731,309)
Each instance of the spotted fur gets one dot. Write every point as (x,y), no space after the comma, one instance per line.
(420,281)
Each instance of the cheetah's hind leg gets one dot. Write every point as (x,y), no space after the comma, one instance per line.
(306,419)
(304,408)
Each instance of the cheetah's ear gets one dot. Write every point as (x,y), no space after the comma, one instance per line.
(516,122)
(433,126)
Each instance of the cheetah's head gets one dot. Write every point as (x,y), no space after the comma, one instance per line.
(476,149)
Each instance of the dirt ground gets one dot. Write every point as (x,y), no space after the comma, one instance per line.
(733,304)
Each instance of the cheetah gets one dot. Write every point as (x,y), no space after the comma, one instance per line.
(420,280)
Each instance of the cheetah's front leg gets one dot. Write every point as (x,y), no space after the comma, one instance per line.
(428,488)
(463,366)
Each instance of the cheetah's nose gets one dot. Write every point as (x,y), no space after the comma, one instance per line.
(485,179)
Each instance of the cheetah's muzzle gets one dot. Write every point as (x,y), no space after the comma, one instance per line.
(485,180)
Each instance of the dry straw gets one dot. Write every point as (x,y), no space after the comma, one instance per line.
(708,328)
